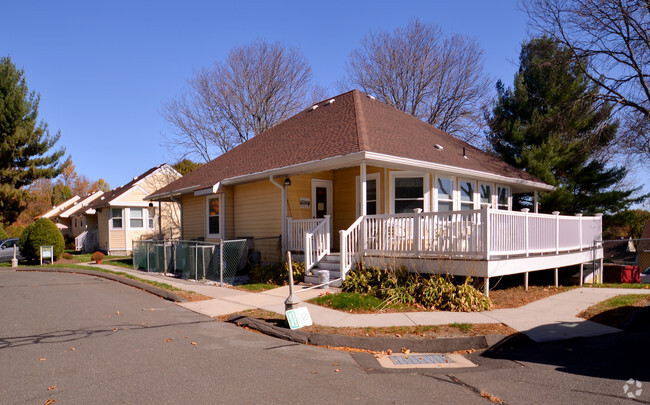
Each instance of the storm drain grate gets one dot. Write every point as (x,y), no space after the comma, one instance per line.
(401,360)
(424,360)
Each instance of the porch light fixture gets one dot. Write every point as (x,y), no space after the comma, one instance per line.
(287,181)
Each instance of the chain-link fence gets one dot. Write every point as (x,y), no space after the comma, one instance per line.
(626,260)
(224,262)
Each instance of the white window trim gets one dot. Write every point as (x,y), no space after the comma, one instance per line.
(379,200)
(426,186)
(207,216)
(144,219)
(496,197)
(475,193)
(454,192)
(110,218)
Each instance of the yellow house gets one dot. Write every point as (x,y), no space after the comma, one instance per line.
(54,214)
(352,179)
(116,218)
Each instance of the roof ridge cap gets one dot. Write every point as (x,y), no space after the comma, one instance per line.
(360,118)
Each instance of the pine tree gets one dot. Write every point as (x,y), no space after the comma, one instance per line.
(552,125)
(24,142)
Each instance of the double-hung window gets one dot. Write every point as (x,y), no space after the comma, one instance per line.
(485,196)
(136,218)
(467,189)
(116,218)
(503,197)
(445,188)
(151,218)
(214,217)
(409,194)
(372,194)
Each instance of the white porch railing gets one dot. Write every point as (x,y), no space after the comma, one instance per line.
(86,241)
(317,243)
(296,230)
(476,234)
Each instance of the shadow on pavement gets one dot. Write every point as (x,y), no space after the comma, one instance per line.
(620,355)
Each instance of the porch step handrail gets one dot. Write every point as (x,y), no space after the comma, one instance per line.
(86,241)
(317,243)
(350,249)
(296,230)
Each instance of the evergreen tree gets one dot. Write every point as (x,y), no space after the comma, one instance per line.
(24,142)
(552,125)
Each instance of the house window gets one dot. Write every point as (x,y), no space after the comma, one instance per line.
(116,218)
(486,194)
(409,194)
(136,218)
(503,197)
(152,218)
(214,220)
(372,194)
(467,195)
(445,194)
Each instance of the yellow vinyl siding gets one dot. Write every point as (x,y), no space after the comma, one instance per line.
(193,217)
(257,213)
(301,188)
(102,227)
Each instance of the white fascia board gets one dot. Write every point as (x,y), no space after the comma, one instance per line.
(61,207)
(208,191)
(394,161)
(82,204)
(90,211)
(332,163)
(168,195)
(128,204)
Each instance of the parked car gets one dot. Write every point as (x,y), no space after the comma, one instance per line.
(7,250)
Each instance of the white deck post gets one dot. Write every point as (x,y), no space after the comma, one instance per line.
(535,202)
(417,239)
(485,211)
(364,209)
(557,231)
(557,276)
(582,273)
(486,286)
(526,241)
(526,281)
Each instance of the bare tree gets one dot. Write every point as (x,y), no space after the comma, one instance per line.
(418,69)
(610,39)
(258,86)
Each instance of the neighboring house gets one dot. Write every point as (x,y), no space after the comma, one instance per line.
(120,216)
(54,214)
(643,249)
(354,175)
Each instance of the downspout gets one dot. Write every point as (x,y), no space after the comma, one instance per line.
(284,212)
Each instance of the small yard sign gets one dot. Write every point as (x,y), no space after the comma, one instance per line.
(47,252)
(298,317)
(305,203)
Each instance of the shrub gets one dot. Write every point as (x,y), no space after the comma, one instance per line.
(43,232)
(97,256)
(431,291)
(3,233)
(277,274)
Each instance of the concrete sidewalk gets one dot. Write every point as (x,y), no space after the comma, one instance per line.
(552,318)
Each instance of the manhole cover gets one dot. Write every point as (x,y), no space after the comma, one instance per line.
(424,360)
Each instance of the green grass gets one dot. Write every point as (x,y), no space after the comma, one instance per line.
(256,287)
(465,327)
(353,302)
(85,257)
(619,285)
(622,301)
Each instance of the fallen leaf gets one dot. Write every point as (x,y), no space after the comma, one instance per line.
(398,335)
(335,364)
(73,349)
(193,343)
(168,340)
(187,337)
(50,401)
(337,370)
(406,357)
(405,350)
(115,329)
(389,352)
(152,309)
(314,372)
(51,388)
(118,312)
(42,359)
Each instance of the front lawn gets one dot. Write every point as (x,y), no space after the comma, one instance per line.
(358,303)
(617,310)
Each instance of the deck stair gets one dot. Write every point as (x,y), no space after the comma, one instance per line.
(332,263)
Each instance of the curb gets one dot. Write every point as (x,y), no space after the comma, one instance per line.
(168,295)
(443,345)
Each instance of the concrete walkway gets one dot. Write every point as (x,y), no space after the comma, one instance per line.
(552,318)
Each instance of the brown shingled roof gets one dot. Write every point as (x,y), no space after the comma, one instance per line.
(353,122)
(116,192)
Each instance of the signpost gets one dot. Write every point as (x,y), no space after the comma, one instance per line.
(299,317)
(47,252)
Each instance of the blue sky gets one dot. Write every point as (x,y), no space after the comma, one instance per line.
(104,69)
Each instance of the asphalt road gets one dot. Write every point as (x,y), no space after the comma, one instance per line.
(81,339)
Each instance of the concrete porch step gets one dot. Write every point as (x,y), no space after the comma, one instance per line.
(313,279)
